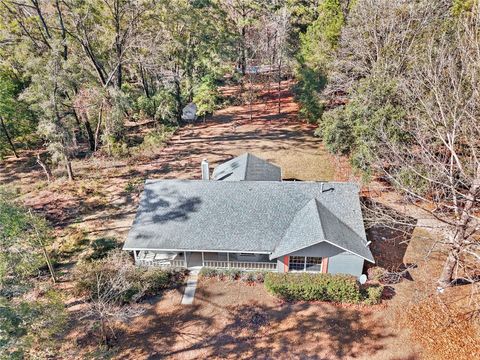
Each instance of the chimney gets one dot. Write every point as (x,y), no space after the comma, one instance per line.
(205,170)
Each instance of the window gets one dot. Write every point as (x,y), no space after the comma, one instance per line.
(296,263)
(313,264)
(305,263)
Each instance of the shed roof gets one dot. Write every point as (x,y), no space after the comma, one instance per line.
(247,167)
(271,217)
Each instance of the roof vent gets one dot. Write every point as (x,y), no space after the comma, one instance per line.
(205,170)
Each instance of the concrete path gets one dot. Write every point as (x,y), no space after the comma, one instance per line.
(189,293)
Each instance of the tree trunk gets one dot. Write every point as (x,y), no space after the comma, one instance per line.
(448,271)
(118,45)
(79,126)
(45,168)
(91,136)
(451,263)
(68,165)
(178,99)
(49,264)
(64,32)
(97,131)
(243,55)
(279,85)
(7,135)
(144,82)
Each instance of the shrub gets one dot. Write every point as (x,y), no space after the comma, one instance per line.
(248,276)
(260,276)
(309,287)
(158,137)
(154,280)
(117,267)
(208,273)
(233,274)
(372,294)
(101,247)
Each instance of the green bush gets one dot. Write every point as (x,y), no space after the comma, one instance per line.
(372,294)
(101,247)
(309,287)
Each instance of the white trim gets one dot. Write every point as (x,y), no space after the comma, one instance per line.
(304,247)
(199,250)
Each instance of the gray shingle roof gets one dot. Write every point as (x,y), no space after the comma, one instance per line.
(313,224)
(247,167)
(241,216)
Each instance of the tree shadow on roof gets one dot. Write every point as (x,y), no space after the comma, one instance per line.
(169,206)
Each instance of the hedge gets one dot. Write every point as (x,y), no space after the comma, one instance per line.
(309,287)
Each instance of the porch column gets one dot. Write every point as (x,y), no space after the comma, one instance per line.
(228,259)
(185,258)
(203,260)
(285,263)
(135,255)
(325,265)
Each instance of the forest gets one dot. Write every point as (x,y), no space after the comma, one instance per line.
(390,86)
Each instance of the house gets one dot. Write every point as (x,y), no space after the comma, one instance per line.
(242,219)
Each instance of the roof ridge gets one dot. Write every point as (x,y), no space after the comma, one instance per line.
(246,165)
(337,218)
(317,204)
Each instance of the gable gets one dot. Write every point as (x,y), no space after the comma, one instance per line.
(315,223)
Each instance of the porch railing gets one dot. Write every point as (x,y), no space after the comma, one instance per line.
(161,263)
(241,265)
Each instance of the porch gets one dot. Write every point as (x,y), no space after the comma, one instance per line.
(197,259)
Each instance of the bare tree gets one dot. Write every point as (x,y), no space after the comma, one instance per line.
(110,280)
(437,165)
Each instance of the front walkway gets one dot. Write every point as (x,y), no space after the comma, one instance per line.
(189,293)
